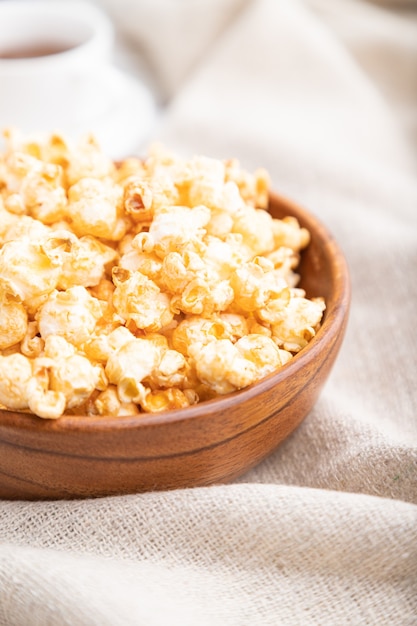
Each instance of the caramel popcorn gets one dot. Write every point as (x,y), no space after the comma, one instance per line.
(145,286)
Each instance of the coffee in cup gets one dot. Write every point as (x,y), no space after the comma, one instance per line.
(51,54)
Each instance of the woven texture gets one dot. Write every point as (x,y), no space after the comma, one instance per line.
(323,532)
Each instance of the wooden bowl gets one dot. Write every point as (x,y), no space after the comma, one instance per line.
(212,442)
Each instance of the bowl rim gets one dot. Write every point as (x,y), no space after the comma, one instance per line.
(335,316)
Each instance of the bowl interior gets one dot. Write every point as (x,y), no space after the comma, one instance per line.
(214,441)
(323,272)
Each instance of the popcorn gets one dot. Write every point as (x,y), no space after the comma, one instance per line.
(225,366)
(261,351)
(146,263)
(100,346)
(72,314)
(297,323)
(108,403)
(83,161)
(13,323)
(178,225)
(166,400)
(32,344)
(138,299)
(221,366)
(129,365)
(7,219)
(206,182)
(42,194)
(140,287)
(41,400)
(255,284)
(93,209)
(76,378)
(179,269)
(15,374)
(287,233)
(195,331)
(85,263)
(256,228)
(27,270)
(25,227)
(172,371)
(253,188)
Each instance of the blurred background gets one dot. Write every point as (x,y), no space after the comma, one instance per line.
(166,42)
(313,61)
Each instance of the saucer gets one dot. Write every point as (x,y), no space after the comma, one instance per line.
(125,120)
(122,114)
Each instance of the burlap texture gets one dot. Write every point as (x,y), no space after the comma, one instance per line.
(324,532)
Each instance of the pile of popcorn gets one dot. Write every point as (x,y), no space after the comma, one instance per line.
(142,286)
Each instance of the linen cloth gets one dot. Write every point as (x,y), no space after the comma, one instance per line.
(324,531)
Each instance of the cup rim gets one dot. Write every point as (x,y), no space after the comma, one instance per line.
(100,40)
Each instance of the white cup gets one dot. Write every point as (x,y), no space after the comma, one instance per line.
(51,55)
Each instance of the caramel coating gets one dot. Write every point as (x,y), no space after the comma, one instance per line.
(143,287)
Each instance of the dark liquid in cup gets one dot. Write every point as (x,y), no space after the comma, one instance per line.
(36,50)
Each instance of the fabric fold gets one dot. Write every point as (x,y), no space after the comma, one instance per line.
(223,555)
(323,532)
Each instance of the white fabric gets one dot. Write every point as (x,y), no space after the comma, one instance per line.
(323,532)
